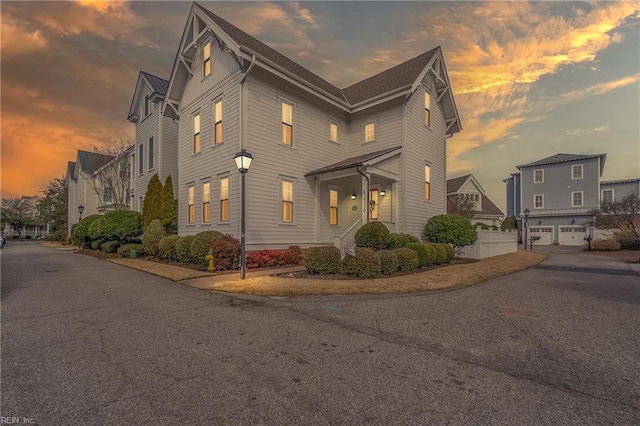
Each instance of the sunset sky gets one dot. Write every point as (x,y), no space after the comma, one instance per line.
(530,79)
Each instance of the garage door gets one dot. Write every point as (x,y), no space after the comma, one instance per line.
(571,236)
(544,232)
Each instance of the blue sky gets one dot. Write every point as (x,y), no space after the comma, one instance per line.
(531,79)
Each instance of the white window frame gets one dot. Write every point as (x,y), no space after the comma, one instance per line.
(206,60)
(581,199)
(191,204)
(217,120)
(427,109)
(284,122)
(197,128)
(541,176)
(282,180)
(613,194)
(206,201)
(221,200)
(151,158)
(364,131)
(581,171)
(333,124)
(541,201)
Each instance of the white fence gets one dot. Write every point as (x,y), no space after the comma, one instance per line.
(491,243)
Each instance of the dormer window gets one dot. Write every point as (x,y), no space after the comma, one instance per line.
(427,109)
(146,105)
(206,59)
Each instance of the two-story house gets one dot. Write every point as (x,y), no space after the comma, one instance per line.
(560,193)
(615,190)
(468,187)
(156,144)
(326,160)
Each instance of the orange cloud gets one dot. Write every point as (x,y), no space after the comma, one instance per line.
(16,39)
(599,89)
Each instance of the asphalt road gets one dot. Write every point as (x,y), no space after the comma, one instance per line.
(88,342)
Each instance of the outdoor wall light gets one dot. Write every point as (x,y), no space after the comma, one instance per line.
(353,195)
(383,192)
(80,210)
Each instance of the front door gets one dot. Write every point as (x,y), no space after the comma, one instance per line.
(373,204)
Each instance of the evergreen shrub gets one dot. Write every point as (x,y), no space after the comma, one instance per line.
(322,260)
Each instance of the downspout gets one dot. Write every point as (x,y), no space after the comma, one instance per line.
(243,129)
(366,204)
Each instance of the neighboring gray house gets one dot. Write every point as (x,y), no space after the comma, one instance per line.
(614,190)
(560,192)
(326,160)
(468,186)
(156,145)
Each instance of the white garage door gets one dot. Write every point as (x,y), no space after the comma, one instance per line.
(571,236)
(544,232)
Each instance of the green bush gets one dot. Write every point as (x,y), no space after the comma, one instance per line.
(450,229)
(365,265)
(482,226)
(401,240)
(438,252)
(122,225)
(48,237)
(183,249)
(125,250)
(96,244)
(373,235)
(450,251)
(407,259)
(152,236)
(388,261)
(110,246)
(81,230)
(201,244)
(72,238)
(509,223)
(425,257)
(169,207)
(59,235)
(322,260)
(629,244)
(167,247)
(226,252)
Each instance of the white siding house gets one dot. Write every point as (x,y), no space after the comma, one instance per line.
(326,160)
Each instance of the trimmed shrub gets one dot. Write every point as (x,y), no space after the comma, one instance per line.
(167,247)
(322,260)
(450,251)
(365,265)
(110,246)
(373,235)
(96,244)
(295,255)
(59,235)
(407,259)
(169,207)
(183,249)
(450,229)
(81,230)
(439,253)
(226,252)
(72,239)
(125,250)
(388,261)
(603,245)
(482,226)
(48,237)
(509,223)
(152,236)
(629,244)
(424,255)
(200,246)
(399,240)
(152,205)
(267,258)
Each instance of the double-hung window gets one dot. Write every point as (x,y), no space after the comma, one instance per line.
(141,159)
(191,208)
(427,109)
(196,133)
(206,60)
(370,132)
(538,201)
(427,182)
(108,195)
(287,201)
(607,195)
(576,199)
(576,171)
(224,199)
(217,117)
(287,124)
(146,106)
(151,153)
(538,176)
(206,202)
(333,207)
(333,131)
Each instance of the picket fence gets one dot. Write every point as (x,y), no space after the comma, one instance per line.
(491,243)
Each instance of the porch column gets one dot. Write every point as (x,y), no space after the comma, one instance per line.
(365,200)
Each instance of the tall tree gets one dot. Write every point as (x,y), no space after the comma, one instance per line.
(18,213)
(152,206)
(52,207)
(462,206)
(169,208)
(623,214)
(111,182)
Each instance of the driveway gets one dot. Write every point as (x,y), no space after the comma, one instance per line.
(89,342)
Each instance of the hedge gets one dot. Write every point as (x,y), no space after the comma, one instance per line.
(125,250)
(152,236)
(388,261)
(322,260)
(374,235)
(183,246)
(201,244)
(110,246)
(167,247)
(399,240)
(424,255)
(271,258)
(365,265)
(117,225)
(81,230)
(407,259)
(226,252)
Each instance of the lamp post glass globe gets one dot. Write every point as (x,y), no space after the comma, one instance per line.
(243,161)
(80,210)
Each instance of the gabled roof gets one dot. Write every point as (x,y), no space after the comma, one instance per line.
(158,88)
(564,158)
(92,161)
(453,185)
(404,74)
(488,208)
(612,182)
(352,162)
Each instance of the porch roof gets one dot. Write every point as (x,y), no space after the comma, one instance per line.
(356,161)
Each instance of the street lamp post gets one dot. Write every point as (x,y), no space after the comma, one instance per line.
(526,226)
(243,161)
(80,210)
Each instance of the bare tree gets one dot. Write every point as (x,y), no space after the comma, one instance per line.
(111,182)
(462,206)
(623,215)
